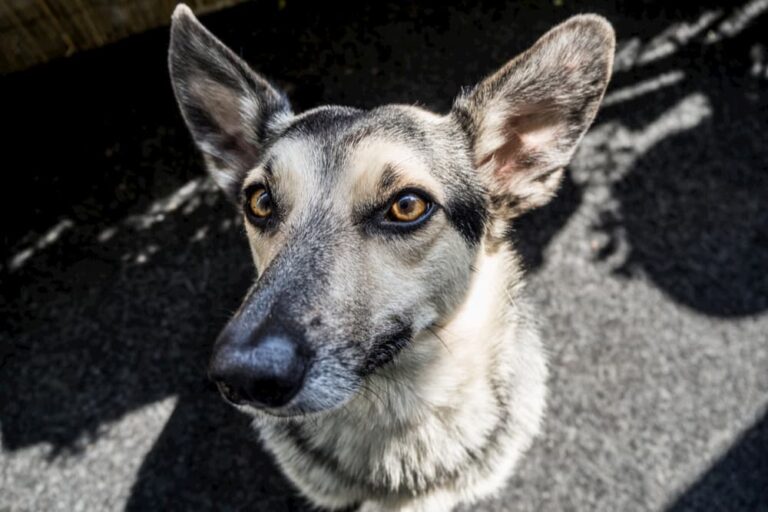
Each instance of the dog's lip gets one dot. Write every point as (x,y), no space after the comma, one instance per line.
(285,411)
(386,347)
(230,395)
(277,413)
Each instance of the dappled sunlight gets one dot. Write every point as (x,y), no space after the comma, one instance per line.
(709,28)
(649,267)
(635,52)
(651,85)
(44,241)
(674,99)
(738,21)
(759,61)
(106,271)
(610,152)
(669,41)
(688,113)
(184,201)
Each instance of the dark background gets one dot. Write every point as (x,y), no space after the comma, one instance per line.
(120,263)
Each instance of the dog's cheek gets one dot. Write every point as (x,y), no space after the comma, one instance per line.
(420,289)
(263,248)
(450,268)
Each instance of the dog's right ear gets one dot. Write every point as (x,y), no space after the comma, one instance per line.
(230,110)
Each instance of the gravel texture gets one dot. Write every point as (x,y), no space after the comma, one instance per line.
(121,263)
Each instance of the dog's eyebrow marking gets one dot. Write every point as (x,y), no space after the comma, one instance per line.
(377,165)
(393,178)
(268,167)
(388,178)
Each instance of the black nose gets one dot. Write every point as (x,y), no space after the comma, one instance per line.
(267,372)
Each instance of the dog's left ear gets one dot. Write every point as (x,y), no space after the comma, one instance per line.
(230,110)
(525,120)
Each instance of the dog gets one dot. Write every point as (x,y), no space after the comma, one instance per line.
(386,351)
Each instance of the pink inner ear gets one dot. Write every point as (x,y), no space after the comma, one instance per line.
(530,147)
(222,103)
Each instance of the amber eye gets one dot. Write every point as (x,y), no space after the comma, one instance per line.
(260,203)
(407,208)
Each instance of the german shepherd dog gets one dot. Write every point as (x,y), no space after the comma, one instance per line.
(386,350)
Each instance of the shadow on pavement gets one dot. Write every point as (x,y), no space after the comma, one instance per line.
(207,458)
(738,481)
(120,268)
(692,207)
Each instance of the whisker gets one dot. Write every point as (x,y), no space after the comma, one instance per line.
(442,341)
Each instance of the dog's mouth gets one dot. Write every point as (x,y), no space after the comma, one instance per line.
(385,348)
(234,398)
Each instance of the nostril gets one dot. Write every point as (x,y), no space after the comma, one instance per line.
(229,378)
(230,394)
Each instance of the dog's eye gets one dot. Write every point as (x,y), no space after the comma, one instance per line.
(408,207)
(260,203)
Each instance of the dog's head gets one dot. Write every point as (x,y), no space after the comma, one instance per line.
(364,225)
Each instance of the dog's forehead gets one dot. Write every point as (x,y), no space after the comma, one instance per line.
(399,122)
(330,144)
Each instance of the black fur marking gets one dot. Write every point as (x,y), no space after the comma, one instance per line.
(328,462)
(463,117)
(468,213)
(545,175)
(323,121)
(385,349)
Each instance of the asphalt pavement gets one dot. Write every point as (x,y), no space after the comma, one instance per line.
(121,262)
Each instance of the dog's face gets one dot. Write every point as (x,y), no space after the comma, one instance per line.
(364,225)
